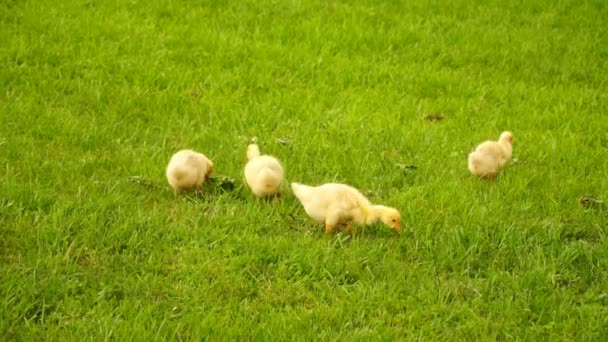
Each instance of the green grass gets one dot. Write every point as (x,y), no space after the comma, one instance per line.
(95,96)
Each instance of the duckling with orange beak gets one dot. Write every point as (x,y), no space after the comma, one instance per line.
(490,156)
(335,204)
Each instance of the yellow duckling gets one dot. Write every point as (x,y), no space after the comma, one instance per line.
(263,173)
(188,169)
(490,156)
(334,204)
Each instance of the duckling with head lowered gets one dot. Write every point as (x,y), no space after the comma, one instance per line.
(188,169)
(335,204)
(490,156)
(263,173)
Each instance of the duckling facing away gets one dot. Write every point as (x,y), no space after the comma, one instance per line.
(334,204)
(490,156)
(263,173)
(188,169)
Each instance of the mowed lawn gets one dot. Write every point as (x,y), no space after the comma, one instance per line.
(387,96)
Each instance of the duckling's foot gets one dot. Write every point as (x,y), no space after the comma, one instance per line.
(350,229)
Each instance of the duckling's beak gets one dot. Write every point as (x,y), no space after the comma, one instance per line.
(398,227)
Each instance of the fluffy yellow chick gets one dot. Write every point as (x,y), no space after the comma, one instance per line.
(188,169)
(490,156)
(264,174)
(334,204)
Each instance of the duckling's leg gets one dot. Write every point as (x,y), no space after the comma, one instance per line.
(350,229)
(330,222)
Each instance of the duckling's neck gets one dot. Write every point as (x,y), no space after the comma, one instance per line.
(372,213)
(506,146)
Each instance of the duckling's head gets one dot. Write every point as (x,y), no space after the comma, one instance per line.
(210,167)
(390,217)
(506,136)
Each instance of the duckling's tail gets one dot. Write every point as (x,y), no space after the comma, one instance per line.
(300,190)
(270,180)
(253,151)
(179,174)
(481,164)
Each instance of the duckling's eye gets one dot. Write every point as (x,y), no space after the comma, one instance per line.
(394,220)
